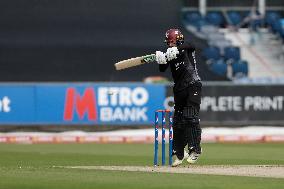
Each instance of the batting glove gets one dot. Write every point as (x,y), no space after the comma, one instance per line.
(172,53)
(161,57)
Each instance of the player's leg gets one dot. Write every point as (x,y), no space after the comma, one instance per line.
(179,139)
(179,133)
(179,142)
(191,114)
(191,119)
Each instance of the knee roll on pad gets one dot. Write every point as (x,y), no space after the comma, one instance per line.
(178,119)
(187,117)
(191,114)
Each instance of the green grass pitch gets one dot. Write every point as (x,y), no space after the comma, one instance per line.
(31,166)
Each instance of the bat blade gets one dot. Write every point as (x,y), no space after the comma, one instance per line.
(135,62)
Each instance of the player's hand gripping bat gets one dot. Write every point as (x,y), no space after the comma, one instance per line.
(159,57)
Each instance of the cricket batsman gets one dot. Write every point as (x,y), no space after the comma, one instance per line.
(180,57)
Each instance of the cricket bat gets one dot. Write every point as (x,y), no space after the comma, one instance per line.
(135,61)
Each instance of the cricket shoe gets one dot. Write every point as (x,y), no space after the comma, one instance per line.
(193,156)
(178,161)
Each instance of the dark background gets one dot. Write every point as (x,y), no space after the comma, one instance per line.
(80,40)
(231,3)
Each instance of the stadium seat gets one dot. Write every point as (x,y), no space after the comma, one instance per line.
(234,17)
(219,67)
(192,17)
(222,44)
(200,24)
(282,28)
(212,53)
(232,53)
(271,16)
(240,68)
(276,26)
(255,23)
(215,18)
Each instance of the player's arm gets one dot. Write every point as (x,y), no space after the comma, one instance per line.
(163,58)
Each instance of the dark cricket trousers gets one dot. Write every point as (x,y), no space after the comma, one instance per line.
(186,128)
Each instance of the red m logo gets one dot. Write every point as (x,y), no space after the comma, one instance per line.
(82,105)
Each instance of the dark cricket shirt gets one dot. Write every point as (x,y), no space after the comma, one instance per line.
(183,68)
